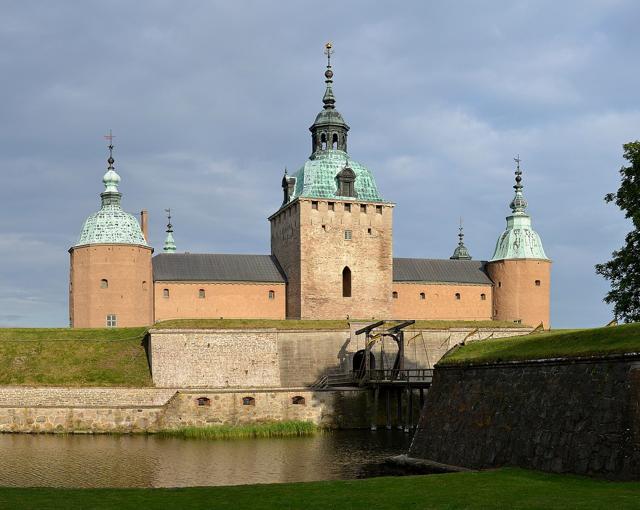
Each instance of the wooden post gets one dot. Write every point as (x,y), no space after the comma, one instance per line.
(399,424)
(410,409)
(388,392)
(374,417)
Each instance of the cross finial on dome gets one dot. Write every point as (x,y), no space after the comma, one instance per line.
(519,203)
(329,99)
(461,252)
(110,179)
(169,243)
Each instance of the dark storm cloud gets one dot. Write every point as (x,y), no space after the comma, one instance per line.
(209,101)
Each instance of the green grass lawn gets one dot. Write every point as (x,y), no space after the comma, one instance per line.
(511,489)
(585,342)
(73,357)
(290,324)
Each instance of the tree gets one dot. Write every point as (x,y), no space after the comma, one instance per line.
(623,270)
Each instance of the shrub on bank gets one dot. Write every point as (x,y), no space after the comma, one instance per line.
(254,430)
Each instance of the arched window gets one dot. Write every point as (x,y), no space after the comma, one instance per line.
(104,284)
(394,295)
(248,401)
(201,294)
(483,297)
(165,293)
(334,141)
(298,400)
(323,141)
(144,285)
(458,296)
(272,294)
(423,296)
(346,182)
(346,282)
(203,401)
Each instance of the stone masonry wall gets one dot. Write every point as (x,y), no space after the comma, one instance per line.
(564,416)
(273,359)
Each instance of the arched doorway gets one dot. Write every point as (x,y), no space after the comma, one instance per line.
(359,363)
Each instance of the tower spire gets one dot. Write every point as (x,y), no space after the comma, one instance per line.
(169,243)
(329,99)
(110,179)
(519,203)
(461,252)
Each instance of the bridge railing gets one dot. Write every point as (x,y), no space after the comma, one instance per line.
(401,375)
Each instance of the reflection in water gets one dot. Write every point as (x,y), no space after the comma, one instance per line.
(150,461)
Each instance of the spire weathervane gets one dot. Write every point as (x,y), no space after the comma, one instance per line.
(169,242)
(169,225)
(519,203)
(461,252)
(110,137)
(328,51)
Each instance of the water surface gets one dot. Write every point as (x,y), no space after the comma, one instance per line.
(151,461)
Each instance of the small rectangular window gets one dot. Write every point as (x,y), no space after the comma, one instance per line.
(165,293)
(112,321)
(379,209)
(331,206)
(363,208)
(537,283)
(369,231)
(201,294)
(347,207)
(314,205)
(272,294)
(347,235)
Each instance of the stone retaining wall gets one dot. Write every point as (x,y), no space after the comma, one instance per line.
(567,416)
(270,358)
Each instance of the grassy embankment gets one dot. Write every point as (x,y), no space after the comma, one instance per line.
(314,324)
(116,357)
(256,430)
(505,488)
(73,357)
(569,343)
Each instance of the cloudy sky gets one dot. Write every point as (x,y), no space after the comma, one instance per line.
(210,100)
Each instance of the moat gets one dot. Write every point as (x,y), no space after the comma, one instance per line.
(152,461)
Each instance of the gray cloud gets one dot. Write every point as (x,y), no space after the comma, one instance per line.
(210,101)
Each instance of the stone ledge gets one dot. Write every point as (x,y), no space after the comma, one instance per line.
(569,360)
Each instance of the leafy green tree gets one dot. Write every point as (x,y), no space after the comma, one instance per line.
(623,270)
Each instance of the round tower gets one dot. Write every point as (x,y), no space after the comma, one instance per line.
(111,281)
(520,269)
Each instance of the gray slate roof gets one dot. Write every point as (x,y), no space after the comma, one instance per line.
(216,267)
(440,271)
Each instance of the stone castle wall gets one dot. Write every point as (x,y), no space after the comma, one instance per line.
(271,359)
(285,246)
(564,416)
(221,299)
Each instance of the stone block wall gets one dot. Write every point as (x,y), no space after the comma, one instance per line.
(577,416)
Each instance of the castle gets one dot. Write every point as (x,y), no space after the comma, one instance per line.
(331,257)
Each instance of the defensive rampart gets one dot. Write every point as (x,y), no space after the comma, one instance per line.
(563,415)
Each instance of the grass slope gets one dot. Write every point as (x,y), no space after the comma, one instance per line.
(586,342)
(313,324)
(506,488)
(73,357)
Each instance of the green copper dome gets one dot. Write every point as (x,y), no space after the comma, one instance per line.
(319,178)
(519,240)
(111,225)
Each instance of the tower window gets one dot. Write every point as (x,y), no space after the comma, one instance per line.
(165,293)
(104,284)
(323,141)
(334,141)
(363,208)
(369,231)
(346,282)
(347,207)
(423,296)
(346,182)
(458,296)
(248,401)
(348,235)
(314,205)
(537,283)
(483,297)
(394,295)
(201,294)
(331,206)
(144,285)
(499,284)
(112,321)
(379,209)
(272,294)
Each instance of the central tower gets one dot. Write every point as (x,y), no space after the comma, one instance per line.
(332,235)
